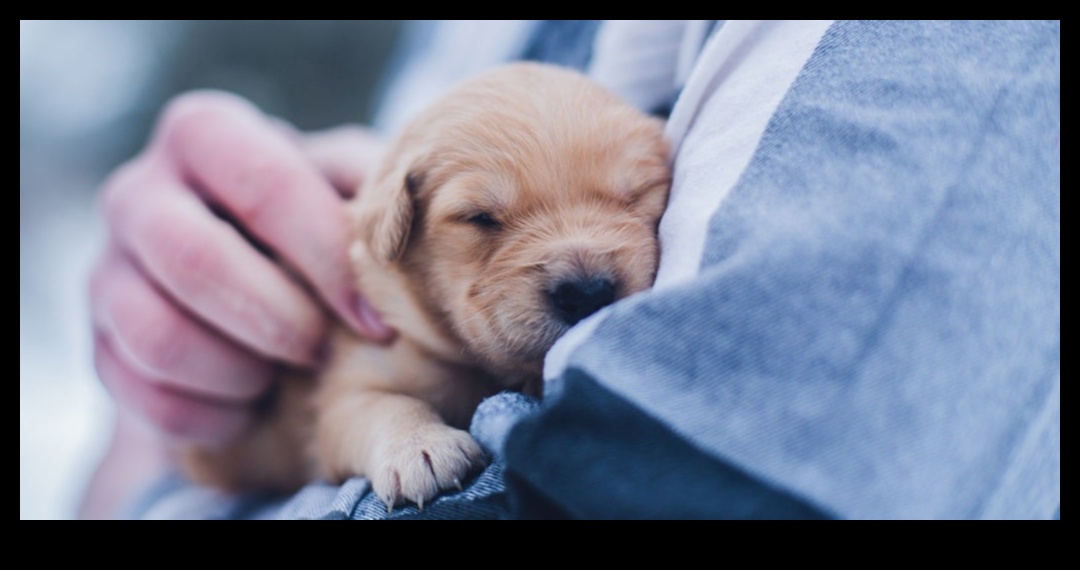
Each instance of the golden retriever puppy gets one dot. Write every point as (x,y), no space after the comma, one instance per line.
(522,202)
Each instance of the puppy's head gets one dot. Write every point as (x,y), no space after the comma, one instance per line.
(524,201)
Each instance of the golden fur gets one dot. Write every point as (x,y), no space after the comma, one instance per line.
(524,178)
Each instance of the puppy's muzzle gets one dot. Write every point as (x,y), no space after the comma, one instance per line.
(578,297)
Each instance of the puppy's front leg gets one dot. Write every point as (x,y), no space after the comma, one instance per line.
(398,442)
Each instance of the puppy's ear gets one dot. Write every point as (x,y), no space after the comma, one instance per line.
(390,234)
(385,213)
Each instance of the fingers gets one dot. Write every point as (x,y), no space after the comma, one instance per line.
(179,415)
(244,164)
(206,266)
(189,314)
(158,340)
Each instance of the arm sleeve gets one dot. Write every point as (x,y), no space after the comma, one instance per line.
(873,329)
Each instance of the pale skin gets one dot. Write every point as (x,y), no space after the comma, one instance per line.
(192,321)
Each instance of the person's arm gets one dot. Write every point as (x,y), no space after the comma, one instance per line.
(857,312)
(193,307)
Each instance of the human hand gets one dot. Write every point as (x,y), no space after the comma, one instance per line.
(227,237)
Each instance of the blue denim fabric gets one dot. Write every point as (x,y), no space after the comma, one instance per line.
(484,498)
(876,324)
(567,43)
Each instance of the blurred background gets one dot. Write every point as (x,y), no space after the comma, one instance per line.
(88,94)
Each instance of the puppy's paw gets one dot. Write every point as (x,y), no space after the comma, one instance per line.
(418,465)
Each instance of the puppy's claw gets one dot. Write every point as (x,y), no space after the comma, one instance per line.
(422,463)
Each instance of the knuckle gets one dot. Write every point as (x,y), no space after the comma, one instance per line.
(199,109)
(260,180)
(191,257)
(157,340)
(186,258)
(255,176)
(118,187)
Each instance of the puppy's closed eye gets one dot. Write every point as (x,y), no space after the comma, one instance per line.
(484,221)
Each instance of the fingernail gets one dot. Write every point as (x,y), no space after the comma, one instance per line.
(370,319)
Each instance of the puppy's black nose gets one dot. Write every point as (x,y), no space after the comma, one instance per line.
(576,299)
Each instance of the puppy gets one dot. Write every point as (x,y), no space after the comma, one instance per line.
(522,202)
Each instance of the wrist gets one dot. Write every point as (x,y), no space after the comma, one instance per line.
(133,460)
